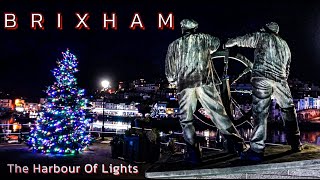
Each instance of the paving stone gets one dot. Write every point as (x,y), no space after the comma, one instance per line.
(277,169)
(264,176)
(304,172)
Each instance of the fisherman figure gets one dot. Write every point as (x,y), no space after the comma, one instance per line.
(188,66)
(272,58)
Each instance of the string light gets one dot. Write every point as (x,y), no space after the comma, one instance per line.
(61,127)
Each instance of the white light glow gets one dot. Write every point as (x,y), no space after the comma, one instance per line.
(19,109)
(105,84)
(117,126)
(206,133)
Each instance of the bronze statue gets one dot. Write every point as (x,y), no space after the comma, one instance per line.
(272,58)
(188,66)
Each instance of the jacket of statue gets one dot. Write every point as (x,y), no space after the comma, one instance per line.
(187,60)
(272,56)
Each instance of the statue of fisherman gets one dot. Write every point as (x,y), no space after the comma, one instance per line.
(272,58)
(188,65)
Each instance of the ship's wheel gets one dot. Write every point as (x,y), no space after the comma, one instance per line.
(230,104)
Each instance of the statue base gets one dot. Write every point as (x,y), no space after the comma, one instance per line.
(278,162)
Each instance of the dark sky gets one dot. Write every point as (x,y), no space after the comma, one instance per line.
(27,56)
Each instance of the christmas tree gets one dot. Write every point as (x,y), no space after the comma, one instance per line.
(62,125)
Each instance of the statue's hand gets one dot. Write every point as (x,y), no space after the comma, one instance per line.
(231,43)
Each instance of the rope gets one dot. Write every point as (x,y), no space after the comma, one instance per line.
(211,71)
(203,121)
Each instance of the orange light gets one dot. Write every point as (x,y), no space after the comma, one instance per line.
(16,126)
(17,101)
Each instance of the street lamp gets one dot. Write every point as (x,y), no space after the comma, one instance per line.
(105,85)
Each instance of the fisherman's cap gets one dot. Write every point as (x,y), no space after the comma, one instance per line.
(274,27)
(188,24)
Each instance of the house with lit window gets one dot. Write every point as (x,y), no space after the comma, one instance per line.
(141,85)
(31,107)
(19,105)
(165,109)
(115,109)
(6,103)
(307,103)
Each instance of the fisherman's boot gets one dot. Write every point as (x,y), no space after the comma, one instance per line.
(292,129)
(234,142)
(251,156)
(295,143)
(193,154)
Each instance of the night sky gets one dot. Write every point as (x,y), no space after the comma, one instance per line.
(27,56)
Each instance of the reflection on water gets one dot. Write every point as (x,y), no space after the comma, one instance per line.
(5,124)
(8,120)
(311,137)
(210,138)
(273,136)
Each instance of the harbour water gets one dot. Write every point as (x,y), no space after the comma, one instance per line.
(209,136)
(274,136)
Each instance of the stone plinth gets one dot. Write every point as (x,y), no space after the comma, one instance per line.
(279,163)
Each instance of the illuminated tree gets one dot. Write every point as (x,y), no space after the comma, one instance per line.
(63,124)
